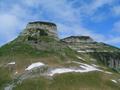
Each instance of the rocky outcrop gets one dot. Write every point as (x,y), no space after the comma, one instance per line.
(110,59)
(35,30)
(78,39)
(107,54)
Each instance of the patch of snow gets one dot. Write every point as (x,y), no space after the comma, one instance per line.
(60,71)
(16,72)
(108,72)
(94,65)
(82,69)
(11,63)
(85,51)
(88,68)
(80,58)
(35,65)
(81,51)
(93,59)
(114,81)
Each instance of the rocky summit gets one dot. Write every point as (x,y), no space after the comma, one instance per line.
(38,60)
(34,30)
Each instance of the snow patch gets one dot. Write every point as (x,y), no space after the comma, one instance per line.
(114,81)
(108,72)
(85,51)
(80,58)
(60,71)
(82,69)
(11,63)
(35,65)
(80,51)
(95,65)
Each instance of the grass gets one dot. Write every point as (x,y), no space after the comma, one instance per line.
(69,81)
(5,77)
(23,53)
(50,46)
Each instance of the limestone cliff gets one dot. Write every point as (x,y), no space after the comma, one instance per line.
(107,54)
(35,30)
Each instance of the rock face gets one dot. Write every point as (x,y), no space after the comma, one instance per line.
(107,54)
(78,39)
(34,30)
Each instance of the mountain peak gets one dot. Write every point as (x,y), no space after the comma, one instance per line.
(37,29)
(42,22)
(78,39)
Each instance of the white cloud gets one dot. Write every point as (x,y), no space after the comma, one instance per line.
(114,40)
(91,8)
(8,18)
(116,26)
(8,26)
(8,23)
(116,10)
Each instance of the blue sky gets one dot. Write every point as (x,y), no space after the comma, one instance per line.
(99,19)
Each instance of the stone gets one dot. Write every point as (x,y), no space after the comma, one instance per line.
(78,39)
(37,29)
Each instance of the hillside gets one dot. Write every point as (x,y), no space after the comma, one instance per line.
(38,60)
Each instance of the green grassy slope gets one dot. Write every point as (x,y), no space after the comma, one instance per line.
(5,77)
(70,81)
(53,53)
(49,51)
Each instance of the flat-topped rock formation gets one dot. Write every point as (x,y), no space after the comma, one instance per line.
(78,39)
(51,27)
(34,30)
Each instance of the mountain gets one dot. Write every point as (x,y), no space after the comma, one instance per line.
(38,60)
(108,55)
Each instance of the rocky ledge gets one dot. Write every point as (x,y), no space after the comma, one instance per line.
(37,29)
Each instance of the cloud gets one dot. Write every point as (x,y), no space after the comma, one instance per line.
(91,8)
(8,27)
(116,26)
(114,40)
(9,22)
(116,10)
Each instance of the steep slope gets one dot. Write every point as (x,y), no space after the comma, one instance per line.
(38,60)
